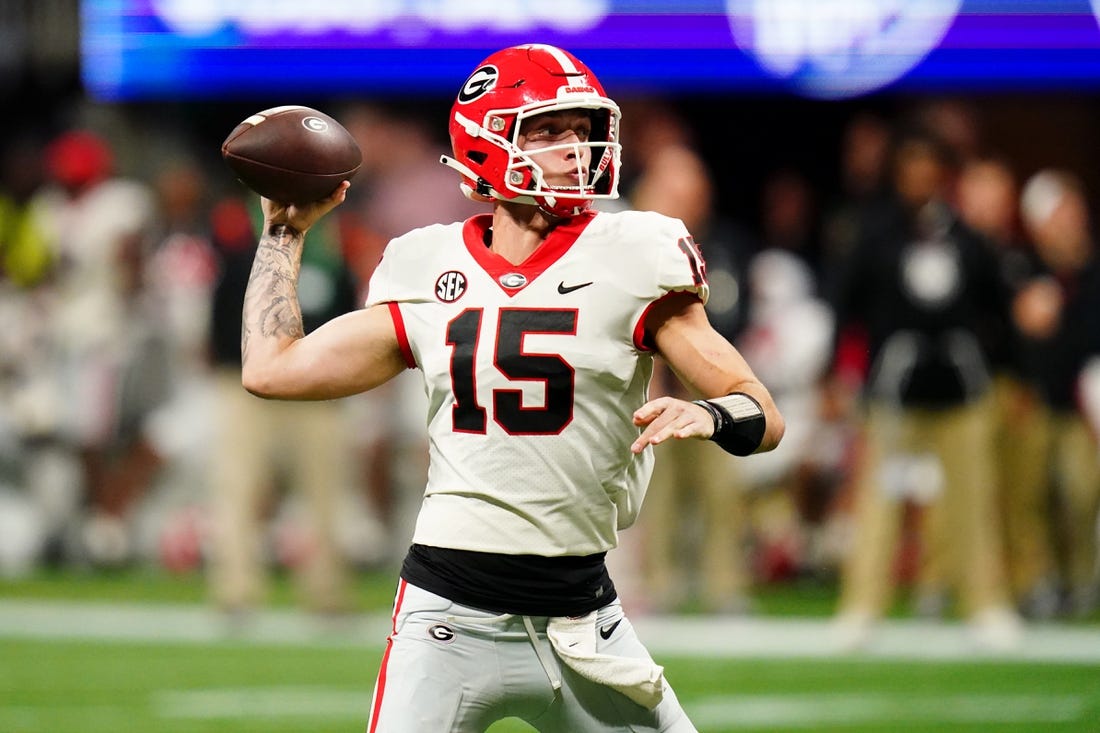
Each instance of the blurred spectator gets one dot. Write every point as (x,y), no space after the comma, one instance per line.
(956,123)
(178,285)
(25,255)
(652,125)
(987,196)
(105,352)
(788,337)
(400,154)
(864,160)
(865,185)
(691,484)
(788,218)
(31,521)
(265,451)
(1061,312)
(923,286)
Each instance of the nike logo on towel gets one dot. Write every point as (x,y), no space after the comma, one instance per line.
(563,288)
(607,631)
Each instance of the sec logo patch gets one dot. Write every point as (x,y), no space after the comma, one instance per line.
(450,286)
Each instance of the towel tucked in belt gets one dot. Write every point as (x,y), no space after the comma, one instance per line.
(574,640)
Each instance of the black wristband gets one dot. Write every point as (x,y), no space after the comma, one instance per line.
(739,423)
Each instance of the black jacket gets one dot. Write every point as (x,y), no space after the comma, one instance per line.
(928,293)
(1057,361)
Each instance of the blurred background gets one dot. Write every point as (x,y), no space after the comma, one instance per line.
(895,203)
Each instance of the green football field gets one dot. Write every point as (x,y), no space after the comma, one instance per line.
(149,656)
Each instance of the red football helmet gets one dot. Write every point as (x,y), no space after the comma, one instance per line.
(510,86)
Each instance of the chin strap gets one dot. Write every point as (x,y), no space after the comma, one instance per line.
(459,166)
(486,193)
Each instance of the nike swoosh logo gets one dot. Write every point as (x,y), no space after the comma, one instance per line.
(563,288)
(607,631)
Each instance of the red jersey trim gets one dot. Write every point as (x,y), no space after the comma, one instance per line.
(402,335)
(556,244)
(639,327)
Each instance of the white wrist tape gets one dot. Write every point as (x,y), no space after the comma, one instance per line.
(739,406)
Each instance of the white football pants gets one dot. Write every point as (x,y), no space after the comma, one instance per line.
(450,668)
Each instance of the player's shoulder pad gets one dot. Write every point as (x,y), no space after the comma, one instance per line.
(654,249)
(417,242)
(646,225)
(400,272)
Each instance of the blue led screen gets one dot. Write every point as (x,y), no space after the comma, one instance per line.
(215,49)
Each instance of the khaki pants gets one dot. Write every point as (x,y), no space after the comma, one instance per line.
(1021,442)
(694,481)
(960,521)
(1076,471)
(260,441)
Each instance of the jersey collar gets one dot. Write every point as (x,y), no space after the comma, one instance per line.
(556,244)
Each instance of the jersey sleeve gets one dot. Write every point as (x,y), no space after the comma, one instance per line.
(407,260)
(382,287)
(672,264)
(680,265)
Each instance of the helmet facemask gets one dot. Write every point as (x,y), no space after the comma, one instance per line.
(596,179)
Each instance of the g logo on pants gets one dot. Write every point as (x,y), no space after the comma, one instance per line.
(441,633)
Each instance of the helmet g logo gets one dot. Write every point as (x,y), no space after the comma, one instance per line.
(480,82)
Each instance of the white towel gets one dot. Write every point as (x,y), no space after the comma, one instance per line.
(574,640)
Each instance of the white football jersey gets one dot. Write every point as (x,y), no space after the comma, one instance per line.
(533,373)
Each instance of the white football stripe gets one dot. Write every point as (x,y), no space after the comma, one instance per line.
(261,116)
(284,108)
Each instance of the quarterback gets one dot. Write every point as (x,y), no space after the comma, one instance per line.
(534,327)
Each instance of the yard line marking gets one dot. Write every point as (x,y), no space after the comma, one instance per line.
(727,711)
(262,702)
(716,637)
(912,640)
(814,711)
(183,624)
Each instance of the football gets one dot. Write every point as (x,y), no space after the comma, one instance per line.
(292,154)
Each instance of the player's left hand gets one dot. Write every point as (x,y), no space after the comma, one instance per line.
(668,417)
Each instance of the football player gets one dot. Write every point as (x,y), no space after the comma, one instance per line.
(534,328)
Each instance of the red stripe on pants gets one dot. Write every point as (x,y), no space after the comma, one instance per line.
(380,686)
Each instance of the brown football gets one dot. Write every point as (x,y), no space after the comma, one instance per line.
(292,154)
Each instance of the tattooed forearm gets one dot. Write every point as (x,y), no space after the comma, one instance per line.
(271,310)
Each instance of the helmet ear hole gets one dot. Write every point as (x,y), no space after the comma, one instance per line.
(478,156)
